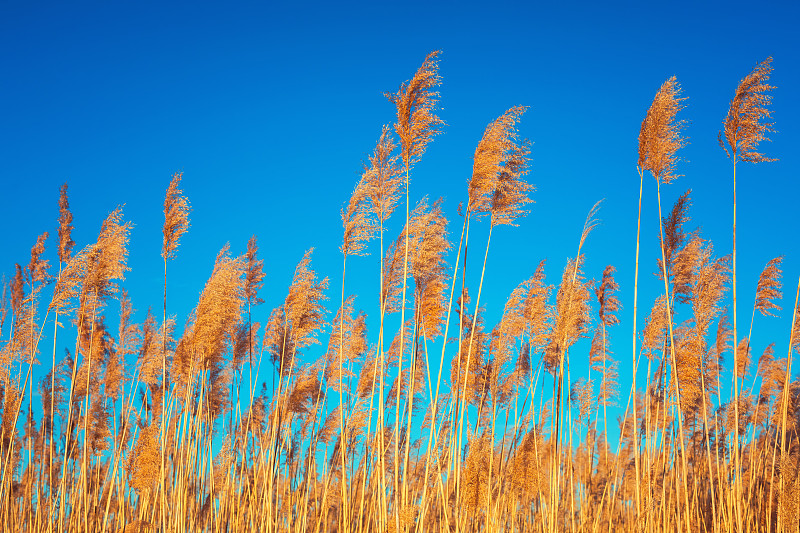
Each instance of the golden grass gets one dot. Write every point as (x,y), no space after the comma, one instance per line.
(359,437)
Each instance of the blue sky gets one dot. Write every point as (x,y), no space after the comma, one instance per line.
(269,110)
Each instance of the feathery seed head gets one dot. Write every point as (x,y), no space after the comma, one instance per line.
(358,225)
(176,216)
(393,275)
(608,302)
(428,247)
(383,177)
(582,395)
(674,234)
(69,281)
(254,274)
(589,224)
(572,313)
(660,134)
(742,357)
(416,102)
(538,313)
(37,268)
(106,260)
(303,305)
(17,290)
(769,287)
(150,352)
(655,326)
(277,340)
(145,461)
(745,126)
(217,313)
(347,344)
(724,335)
(65,242)
(500,161)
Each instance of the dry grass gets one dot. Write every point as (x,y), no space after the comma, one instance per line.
(155,429)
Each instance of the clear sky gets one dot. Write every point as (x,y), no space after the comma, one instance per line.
(270,108)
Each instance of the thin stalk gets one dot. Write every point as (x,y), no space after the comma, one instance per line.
(737,470)
(674,363)
(634,351)
(400,504)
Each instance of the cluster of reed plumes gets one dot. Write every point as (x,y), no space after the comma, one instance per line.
(144,430)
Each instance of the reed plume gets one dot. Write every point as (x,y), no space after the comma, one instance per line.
(488,159)
(347,344)
(660,133)
(240,340)
(582,396)
(65,227)
(509,330)
(768,289)
(306,393)
(144,463)
(742,358)
(608,303)
(527,470)
(127,336)
(572,313)
(278,340)
(500,160)
(358,225)
(537,311)
(254,273)
(674,233)
(23,346)
(17,289)
(768,372)
(745,125)
(400,345)
(416,101)
(106,263)
(383,178)
(476,475)
(37,268)
(176,216)
(789,498)
(609,386)
(701,281)
(365,387)
(303,305)
(217,312)
(428,246)
(328,429)
(150,353)
(392,276)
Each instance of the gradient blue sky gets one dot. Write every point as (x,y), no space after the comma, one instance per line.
(269,110)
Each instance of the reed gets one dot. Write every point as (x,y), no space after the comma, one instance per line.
(145,426)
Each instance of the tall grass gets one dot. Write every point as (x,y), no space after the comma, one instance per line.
(153,429)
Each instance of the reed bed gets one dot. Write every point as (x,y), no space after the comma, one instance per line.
(143,427)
